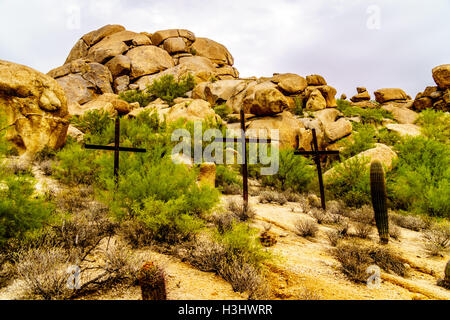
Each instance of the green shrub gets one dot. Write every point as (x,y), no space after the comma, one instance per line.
(362,139)
(168,89)
(435,125)
(222,110)
(295,173)
(76,165)
(6,148)
(298,110)
(168,221)
(420,181)
(241,242)
(145,179)
(226,177)
(20,210)
(387,137)
(367,115)
(93,122)
(350,182)
(141,96)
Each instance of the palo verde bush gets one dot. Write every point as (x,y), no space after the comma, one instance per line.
(421,178)
(294,173)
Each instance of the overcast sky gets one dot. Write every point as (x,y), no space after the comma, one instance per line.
(376,44)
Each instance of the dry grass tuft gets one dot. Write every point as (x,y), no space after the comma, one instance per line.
(272,197)
(306,228)
(355,258)
(408,221)
(363,230)
(437,240)
(237,208)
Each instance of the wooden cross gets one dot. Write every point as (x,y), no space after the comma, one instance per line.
(116,148)
(244,155)
(316,155)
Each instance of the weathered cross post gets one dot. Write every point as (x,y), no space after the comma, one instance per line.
(316,155)
(244,140)
(117,148)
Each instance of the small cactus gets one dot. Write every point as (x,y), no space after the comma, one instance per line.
(152,282)
(267,238)
(379,199)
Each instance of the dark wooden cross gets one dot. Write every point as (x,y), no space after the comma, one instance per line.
(316,155)
(244,155)
(116,148)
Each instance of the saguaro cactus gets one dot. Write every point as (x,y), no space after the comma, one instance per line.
(379,199)
(152,282)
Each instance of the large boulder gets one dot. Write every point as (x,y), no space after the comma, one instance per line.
(82,81)
(77,89)
(200,68)
(389,94)
(441,75)
(316,101)
(116,44)
(95,36)
(401,115)
(239,93)
(265,99)
(328,92)
(227,73)
(119,65)
(381,152)
(422,103)
(162,35)
(334,128)
(36,109)
(213,50)
(192,110)
(147,60)
(315,80)
(361,96)
(292,133)
(405,130)
(107,102)
(220,91)
(290,83)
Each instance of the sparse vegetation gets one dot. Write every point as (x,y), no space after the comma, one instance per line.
(423,168)
(20,211)
(306,228)
(350,182)
(222,110)
(236,207)
(272,197)
(367,115)
(356,258)
(165,88)
(437,240)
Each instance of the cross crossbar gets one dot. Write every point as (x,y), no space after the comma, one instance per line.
(316,153)
(112,148)
(116,148)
